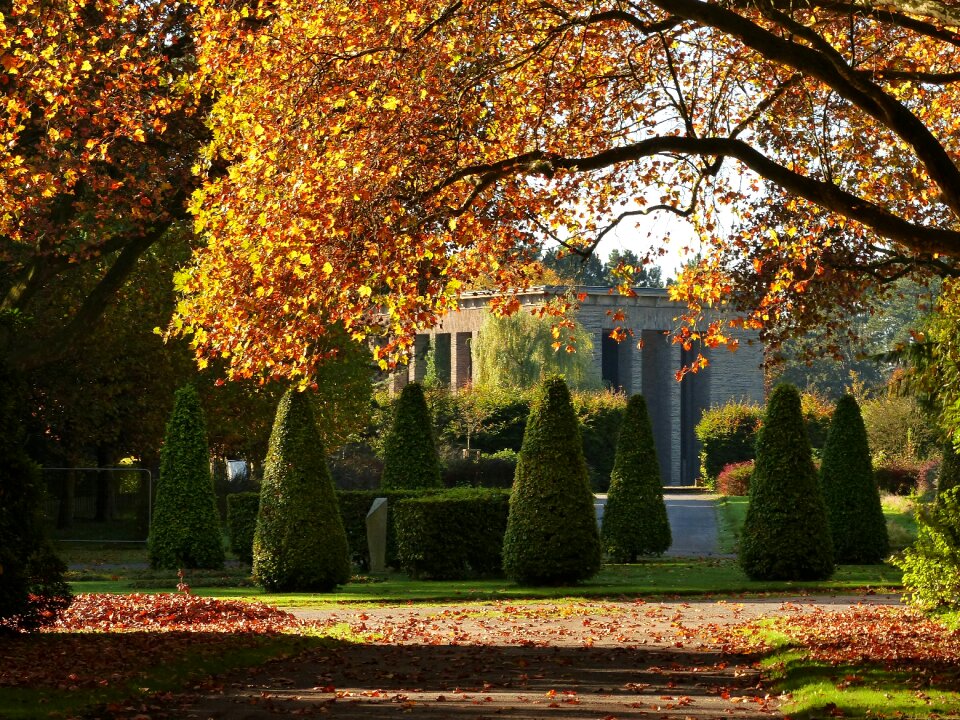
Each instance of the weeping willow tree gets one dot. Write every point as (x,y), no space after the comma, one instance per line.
(519,350)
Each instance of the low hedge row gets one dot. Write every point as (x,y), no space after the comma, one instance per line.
(354,506)
(452,536)
(427,520)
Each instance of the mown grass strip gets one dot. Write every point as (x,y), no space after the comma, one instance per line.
(664,577)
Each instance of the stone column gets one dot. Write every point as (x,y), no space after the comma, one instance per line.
(461,362)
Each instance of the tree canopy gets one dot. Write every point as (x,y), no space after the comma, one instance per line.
(403,150)
(100,130)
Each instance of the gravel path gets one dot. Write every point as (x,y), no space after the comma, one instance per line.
(580,661)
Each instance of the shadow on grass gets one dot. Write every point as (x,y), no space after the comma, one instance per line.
(60,674)
(367,682)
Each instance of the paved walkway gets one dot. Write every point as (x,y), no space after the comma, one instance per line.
(693,524)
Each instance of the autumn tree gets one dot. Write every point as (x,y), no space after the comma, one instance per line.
(100,132)
(827,129)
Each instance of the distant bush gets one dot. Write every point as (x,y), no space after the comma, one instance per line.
(600,415)
(949,475)
(355,467)
(786,534)
(727,435)
(410,458)
(857,525)
(635,519)
(817,414)
(734,479)
(300,543)
(900,476)
(897,429)
(185,530)
(452,535)
(242,523)
(493,470)
(552,535)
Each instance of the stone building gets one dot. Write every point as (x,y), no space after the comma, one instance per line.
(675,407)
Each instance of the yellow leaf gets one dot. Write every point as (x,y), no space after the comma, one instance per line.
(390,103)
(327,268)
(364,291)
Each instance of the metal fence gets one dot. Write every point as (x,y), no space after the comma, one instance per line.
(99,504)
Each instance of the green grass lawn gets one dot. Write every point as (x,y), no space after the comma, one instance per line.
(662,577)
(898,510)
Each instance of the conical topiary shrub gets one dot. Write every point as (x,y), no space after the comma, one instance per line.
(949,475)
(786,535)
(410,458)
(185,531)
(551,533)
(635,518)
(857,525)
(299,543)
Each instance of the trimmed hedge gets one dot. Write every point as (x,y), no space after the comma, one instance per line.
(635,518)
(185,532)
(734,479)
(454,535)
(552,535)
(300,543)
(857,525)
(410,459)
(242,511)
(727,436)
(354,506)
(786,534)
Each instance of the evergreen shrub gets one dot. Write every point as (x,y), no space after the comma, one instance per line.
(857,525)
(727,435)
(551,535)
(734,479)
(300,543)
(185,531)
(410,458)
(786,534)
(453,535)
(635,517)
(242,509)
(354,506)
(931,567)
